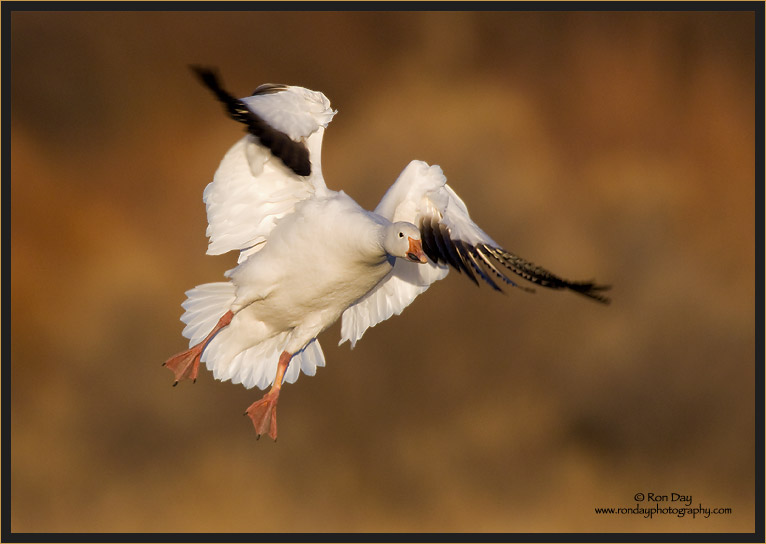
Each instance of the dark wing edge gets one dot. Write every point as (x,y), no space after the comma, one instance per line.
(491,263)
(542,277)
(293,154)
(269,88)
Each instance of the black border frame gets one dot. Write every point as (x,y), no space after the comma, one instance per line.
(6,10)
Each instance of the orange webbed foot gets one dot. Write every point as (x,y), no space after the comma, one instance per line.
(185,365)
(263,413)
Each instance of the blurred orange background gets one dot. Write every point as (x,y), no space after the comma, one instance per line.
(615,146)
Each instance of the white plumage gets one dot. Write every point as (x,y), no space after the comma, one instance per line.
(309,255)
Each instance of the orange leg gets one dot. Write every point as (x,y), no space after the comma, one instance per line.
(186,364)
(264,412)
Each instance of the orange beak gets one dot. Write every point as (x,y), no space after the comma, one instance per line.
(415,252)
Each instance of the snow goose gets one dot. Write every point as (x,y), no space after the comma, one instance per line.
(309,255)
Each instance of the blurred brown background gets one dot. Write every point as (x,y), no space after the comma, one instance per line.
(618,146)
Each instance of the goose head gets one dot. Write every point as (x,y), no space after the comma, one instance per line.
(402,239)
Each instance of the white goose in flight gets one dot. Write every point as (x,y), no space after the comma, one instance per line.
(309,255)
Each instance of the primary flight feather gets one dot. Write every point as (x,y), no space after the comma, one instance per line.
(309,255)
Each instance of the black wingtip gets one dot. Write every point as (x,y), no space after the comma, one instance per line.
(590,290)
(542,277)
(208,77)
(293,154)
(204,73)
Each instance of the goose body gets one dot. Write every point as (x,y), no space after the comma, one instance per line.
(295,287)
(309,255)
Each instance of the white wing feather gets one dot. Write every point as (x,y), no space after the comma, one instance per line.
(419,191)
(251,189)
(296,111)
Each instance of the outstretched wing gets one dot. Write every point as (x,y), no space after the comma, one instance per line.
(450,239)
(266,173)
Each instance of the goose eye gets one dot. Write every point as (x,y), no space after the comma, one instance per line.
(401,235)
